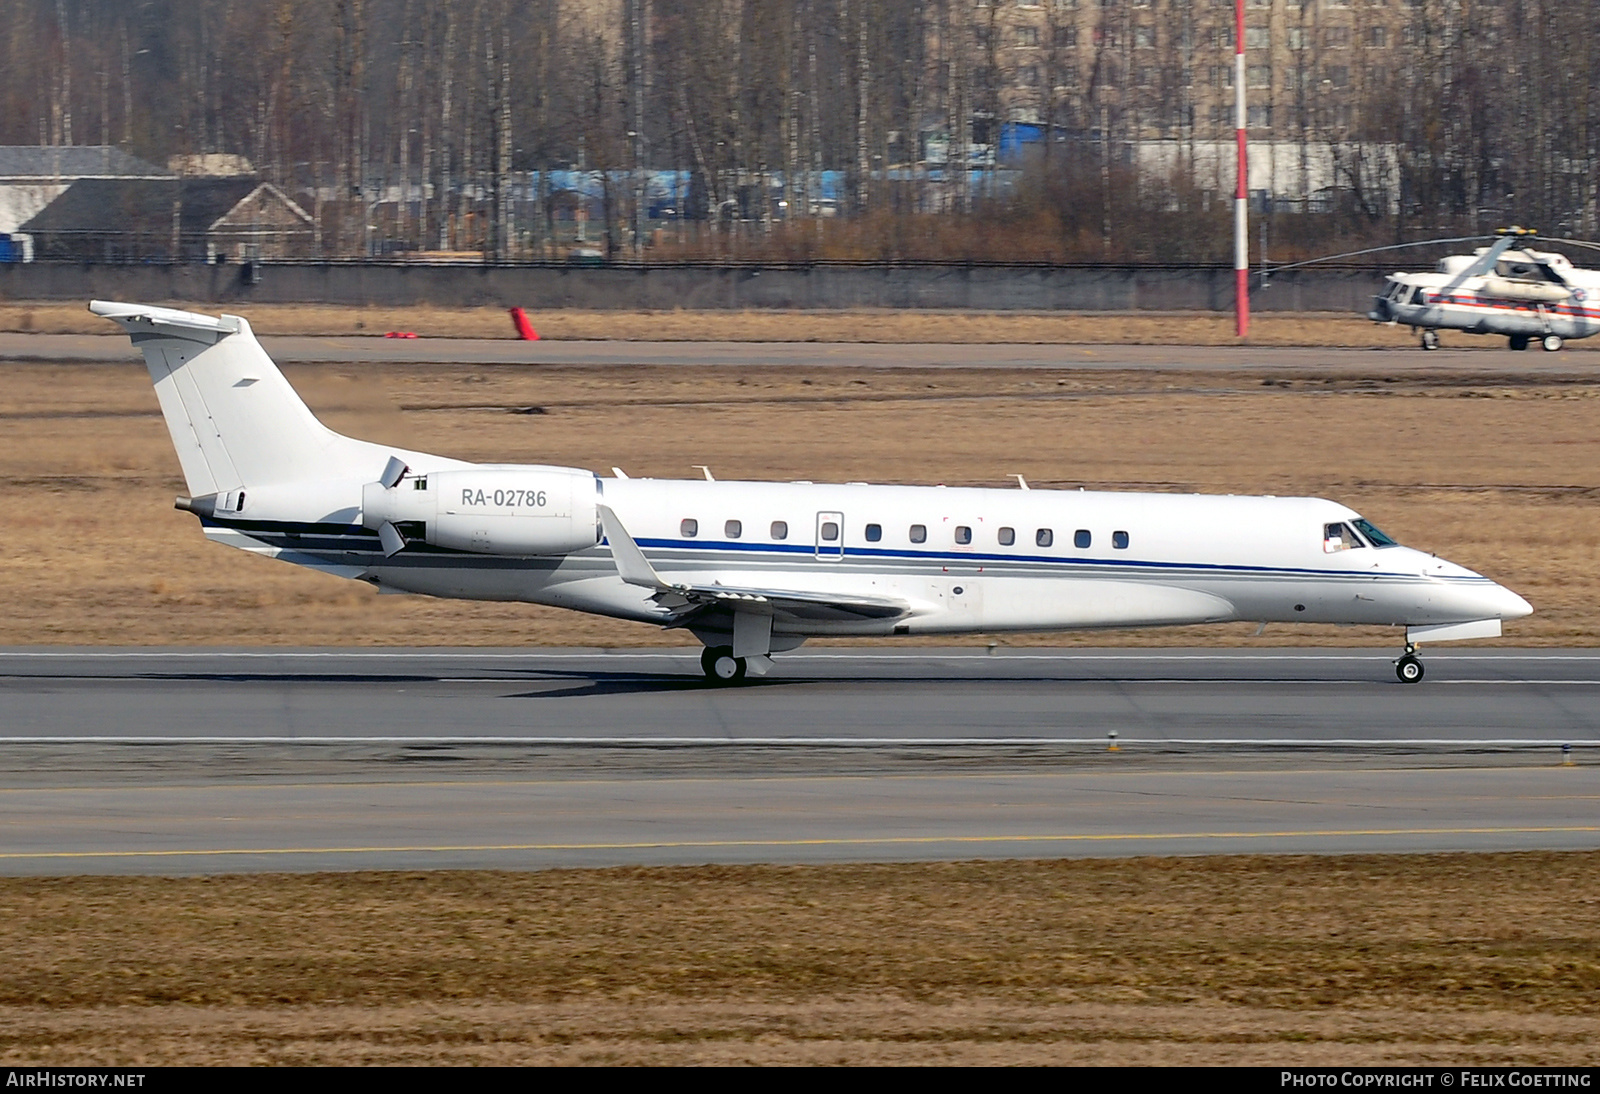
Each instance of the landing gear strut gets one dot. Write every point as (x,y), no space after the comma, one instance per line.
(1408,668)
(721,666)
(1430,339)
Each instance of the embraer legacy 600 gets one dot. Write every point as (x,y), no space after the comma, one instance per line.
(754,569)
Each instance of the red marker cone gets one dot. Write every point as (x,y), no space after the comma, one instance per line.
(525,331)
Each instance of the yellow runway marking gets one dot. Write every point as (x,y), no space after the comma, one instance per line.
(820,842)
(1152,772)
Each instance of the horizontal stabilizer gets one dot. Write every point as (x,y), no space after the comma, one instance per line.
(393,472)
(170,318)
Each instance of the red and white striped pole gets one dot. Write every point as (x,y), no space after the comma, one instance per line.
(1241,197)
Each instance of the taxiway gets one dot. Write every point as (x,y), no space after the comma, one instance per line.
(1489,356)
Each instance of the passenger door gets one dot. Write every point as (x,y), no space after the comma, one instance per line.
(830,536)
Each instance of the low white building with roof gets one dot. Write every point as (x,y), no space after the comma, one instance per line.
(32,176)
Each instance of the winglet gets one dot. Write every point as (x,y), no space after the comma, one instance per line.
(633,567)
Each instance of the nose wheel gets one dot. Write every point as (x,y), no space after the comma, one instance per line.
(1409,668)
(721,666)
(1430,339)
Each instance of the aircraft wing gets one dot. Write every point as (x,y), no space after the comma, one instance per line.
(685,600)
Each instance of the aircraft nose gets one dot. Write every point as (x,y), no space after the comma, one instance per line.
(1507,604)
(1491,602)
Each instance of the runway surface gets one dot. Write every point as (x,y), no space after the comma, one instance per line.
(1476,355)
(813,695)
(192,761)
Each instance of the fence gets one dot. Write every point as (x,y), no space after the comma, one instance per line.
(831,286)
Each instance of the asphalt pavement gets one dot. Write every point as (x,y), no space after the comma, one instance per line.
(196,761)
(1470,355)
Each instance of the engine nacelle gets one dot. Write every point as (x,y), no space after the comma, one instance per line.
(1540,292)
(501,510)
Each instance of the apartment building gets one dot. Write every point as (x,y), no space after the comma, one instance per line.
(1164,69)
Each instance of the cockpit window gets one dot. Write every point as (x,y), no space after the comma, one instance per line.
(1374,537)
(1339,537)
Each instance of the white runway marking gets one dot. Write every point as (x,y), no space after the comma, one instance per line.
(693,655)
(1123,743)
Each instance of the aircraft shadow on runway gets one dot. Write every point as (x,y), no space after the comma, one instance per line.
(601,683)
(588,683)
(289,677)
(598,684)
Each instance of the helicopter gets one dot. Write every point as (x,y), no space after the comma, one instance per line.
(1506,288)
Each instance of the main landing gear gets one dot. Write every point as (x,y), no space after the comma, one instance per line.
(721,666)
(1408,668)
(1550,342)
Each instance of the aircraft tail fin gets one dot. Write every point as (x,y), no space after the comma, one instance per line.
(235,420)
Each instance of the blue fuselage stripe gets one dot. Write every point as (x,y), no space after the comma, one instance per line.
(337,538)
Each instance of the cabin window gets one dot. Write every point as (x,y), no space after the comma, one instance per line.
(963,534)
(780,529)
(1081,538)
(733,529)
(1339,537)
(1008,536)
(1119,540)
(829,531)
(689,528)
(1365,527)
(919,533)
(874,533)
(1044,537)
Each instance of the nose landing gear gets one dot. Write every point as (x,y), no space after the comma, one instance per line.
(1409,668)
(1430,339)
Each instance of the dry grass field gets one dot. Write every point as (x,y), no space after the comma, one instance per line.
(1448,959)
(1500,474)
(1190,329)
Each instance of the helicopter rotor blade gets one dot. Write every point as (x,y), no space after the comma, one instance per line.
(1590,244)
(1376,250)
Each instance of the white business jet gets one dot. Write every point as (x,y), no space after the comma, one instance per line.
(754,569)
